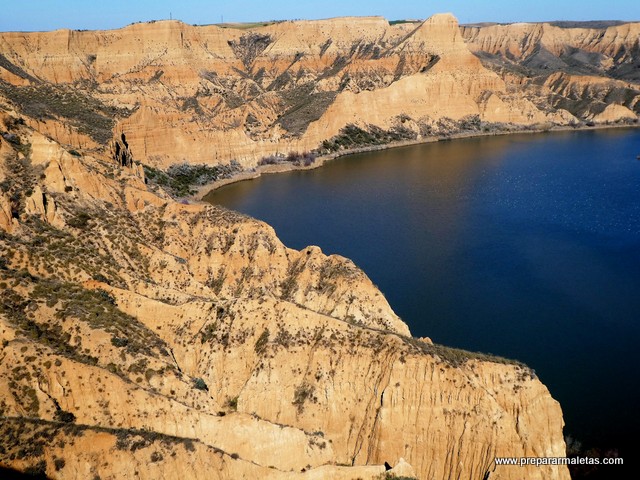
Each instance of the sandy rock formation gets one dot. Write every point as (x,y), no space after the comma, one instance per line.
(7,222)
(206,94)
(584,73)
(40,203)
(141,334)
(605,50)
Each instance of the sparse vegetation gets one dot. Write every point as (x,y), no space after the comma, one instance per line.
(59,464)
(208,333)
(294,158)
(81,220)
(156,457)
(400,22)
(304,104)
(106,296)
(457,357)
(303,393)
(19,181)
(391,476)
(180,179)
(249,46)
(64,416)
(60,251)
(28,439)
(216,282)
(261,344)
(353,136)
(44,101)
(232,403)
(99,312)
(247,25)
(290,284)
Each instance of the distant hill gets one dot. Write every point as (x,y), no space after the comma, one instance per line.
(248,92)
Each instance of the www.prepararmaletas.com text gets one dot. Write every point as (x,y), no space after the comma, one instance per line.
(540,461)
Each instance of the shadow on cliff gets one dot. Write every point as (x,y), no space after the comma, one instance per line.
(10,474)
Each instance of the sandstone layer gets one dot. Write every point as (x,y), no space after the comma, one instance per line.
(210,95)
(592,73)
(179,340)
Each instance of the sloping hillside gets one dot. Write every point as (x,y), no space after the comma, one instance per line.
(178,340)
(209,95)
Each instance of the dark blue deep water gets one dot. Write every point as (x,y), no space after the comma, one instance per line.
(524,246)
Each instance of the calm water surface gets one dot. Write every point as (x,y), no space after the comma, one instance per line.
(525,246)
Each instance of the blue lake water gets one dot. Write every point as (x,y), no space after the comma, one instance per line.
(524,246)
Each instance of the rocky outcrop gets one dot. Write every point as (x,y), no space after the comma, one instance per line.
(43,205)
(588,96)
(7,222)
(144,335)
(207,94)
(611,51)
(588,74)
(121,152)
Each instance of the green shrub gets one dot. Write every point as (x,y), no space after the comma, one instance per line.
(81,220)
(208,333)
(232,403)
(303,393)
(106,296)
(261,343)
(119,342)
(180,179)
(59,464)
(64,416)
(200,384)
(353,136)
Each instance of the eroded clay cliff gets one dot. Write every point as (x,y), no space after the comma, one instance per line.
(209,95)
(186,341)
(593,73)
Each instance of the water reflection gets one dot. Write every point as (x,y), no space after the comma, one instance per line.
(525,246)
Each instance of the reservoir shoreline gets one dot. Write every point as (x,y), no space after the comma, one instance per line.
(244,175)
(525,247)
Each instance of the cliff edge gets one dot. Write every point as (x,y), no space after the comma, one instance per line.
(212,95)
(177,340)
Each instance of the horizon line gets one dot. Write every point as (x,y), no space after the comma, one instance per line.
(613,22)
